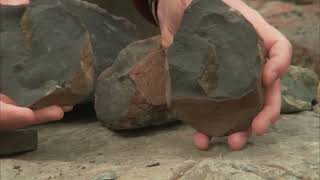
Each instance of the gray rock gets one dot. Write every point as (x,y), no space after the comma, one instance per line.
(107,176)
(18,141)
(63,44)
(49,59)
(215,66)
(299,90)
(131,93)
(109,34)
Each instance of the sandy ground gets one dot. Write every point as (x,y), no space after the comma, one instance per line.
(81,148)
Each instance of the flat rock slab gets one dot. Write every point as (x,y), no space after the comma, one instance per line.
(131,93)
(18,141)
(215,66)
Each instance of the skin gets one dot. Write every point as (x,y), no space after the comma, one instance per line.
(170,13)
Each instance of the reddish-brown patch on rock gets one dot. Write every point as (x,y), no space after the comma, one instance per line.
(149,77)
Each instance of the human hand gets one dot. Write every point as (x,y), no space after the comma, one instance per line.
(13,117)
(14,2)
(170,13)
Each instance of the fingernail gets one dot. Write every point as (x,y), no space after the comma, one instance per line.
(67,108)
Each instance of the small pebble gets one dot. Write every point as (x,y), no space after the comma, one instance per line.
(107,176)
(153,164)
(16,167)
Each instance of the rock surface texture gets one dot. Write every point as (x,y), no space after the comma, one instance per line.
(215,66)
(131,93)
(53,53)
(299,90)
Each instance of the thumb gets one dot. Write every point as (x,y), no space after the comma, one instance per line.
(170,13)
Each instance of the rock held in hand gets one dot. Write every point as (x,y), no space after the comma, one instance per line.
(57,66)
(215,65)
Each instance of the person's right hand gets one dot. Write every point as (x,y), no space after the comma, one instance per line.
(14,2)
(13,117)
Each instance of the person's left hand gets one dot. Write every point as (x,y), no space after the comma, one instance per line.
(170,13)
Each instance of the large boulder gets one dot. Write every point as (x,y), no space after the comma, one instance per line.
(131,93)
(215,66)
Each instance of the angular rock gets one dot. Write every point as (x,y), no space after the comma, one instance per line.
(18,141)
(109,34)
(63,45)
(299,90)
(131,93)
(215,66)
(49,59)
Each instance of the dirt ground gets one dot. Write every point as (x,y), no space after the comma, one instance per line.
(80,148)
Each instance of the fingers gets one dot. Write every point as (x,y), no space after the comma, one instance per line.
(14,2)
(201,141)
(237,141)
(52,113)
(12,117)
(278,63)
(166,37)
(271,110)
(6,99)
(170,14)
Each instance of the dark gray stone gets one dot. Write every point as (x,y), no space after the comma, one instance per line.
(299,90)
(53,58)
(109,34)
(18,141)
(215,66)
(131,93)
(53,62)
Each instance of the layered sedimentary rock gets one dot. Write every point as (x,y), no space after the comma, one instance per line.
(131,93)
(215,66)
(52,54)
